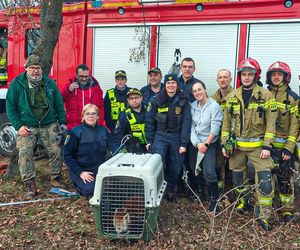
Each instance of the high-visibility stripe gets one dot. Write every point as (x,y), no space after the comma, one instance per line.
(224,134)
(264,201)
(285,198)
(250,144)
(291,138)
(162,110)
(278,145)
(269,135)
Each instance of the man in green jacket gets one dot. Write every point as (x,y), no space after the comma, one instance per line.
(35,108)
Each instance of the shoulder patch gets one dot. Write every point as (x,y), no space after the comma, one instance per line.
(67,139)
(149,107)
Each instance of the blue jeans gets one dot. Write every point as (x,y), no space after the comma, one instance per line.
(208,164)
(167,145)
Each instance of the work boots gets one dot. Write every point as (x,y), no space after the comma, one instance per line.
(31,190)
(214,191)
(58,182)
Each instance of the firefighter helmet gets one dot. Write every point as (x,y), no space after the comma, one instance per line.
(279,67)
(250,64)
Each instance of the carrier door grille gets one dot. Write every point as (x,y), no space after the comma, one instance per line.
(123,206)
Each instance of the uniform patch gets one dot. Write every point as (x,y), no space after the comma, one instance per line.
(177,110)
(149,107)
(67,139)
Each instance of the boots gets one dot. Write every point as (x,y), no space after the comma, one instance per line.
(31,190)
(214,191)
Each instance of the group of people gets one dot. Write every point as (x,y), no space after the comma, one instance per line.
(174,118)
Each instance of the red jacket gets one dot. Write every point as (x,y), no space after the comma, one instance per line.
(78,98)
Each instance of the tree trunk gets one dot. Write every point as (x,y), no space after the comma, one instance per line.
(51,21)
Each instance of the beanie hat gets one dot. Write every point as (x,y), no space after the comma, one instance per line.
(33,60)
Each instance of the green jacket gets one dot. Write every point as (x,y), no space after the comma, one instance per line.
(18,109)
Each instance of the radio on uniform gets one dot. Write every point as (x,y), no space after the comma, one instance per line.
(127,197)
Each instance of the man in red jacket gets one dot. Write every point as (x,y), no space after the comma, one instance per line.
(80,91)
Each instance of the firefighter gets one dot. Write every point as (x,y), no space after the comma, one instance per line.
(247,133)
(278,78)
(168,125)
(132,121)
(3,65)
(155,85)
(224,80)
(115,100)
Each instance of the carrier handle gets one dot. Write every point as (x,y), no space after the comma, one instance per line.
(126,165)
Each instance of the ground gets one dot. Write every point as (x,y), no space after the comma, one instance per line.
(70,223)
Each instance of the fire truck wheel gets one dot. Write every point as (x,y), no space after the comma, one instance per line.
(7,137)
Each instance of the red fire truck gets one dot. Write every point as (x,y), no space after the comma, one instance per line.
(136,35)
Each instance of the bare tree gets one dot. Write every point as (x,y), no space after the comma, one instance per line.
(50,24)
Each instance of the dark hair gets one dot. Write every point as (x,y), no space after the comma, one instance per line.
(81,66)
(188,59)
(201,83)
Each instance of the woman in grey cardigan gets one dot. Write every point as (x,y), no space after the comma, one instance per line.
(206,124)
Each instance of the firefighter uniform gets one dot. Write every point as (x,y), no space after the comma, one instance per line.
(114,103)
(168,126)
(287,129)
(132,122)
(221,100)
(3,67)
(253,125)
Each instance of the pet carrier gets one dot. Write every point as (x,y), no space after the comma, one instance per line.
(127,197)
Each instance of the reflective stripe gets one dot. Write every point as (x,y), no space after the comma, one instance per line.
(280,140)
(244,144)
(137,129)
(285,198)
(163,110)
(249,142)
(224,134)
(269,135)
(264,201)
(116,107)
(241,190)
(292,139)
(278,145)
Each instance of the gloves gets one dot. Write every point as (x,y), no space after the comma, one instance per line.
(286,168)
(286,152)
(62,129)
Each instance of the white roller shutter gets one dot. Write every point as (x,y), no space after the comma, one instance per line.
(212,47)
(276,42)
(111,53)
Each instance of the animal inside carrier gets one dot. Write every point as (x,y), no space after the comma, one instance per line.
(127,197)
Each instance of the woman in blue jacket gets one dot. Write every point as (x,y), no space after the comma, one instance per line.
(85,149)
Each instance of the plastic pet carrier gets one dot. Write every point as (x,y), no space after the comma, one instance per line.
(127,197)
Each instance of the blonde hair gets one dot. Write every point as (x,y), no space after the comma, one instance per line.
(88,106)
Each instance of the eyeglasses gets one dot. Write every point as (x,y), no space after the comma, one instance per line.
(83,76)
(90,114)
(34,68)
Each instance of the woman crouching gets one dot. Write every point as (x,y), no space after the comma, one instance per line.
(85,149)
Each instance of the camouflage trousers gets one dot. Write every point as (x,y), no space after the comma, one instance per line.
(26,145)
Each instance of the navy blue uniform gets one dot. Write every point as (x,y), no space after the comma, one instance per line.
(147,93)
(123,127)
(85,149)
(186,87)
(113,109)
(168,126)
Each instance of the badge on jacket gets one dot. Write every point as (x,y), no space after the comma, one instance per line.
(178,110)
(149,106)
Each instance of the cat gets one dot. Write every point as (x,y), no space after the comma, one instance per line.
(121,220)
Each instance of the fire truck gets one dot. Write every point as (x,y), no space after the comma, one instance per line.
(136,35)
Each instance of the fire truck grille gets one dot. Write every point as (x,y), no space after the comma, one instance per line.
(123,206)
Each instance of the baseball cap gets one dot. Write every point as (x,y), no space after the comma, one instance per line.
(154,70)
(120,73)
(134,91)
